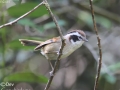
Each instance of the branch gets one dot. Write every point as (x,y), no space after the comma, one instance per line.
(99,46)
(61,48)
(24,15)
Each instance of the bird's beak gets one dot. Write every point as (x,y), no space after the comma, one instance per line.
(85,40)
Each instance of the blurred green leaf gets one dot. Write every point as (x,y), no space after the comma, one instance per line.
(18,10)
(26,77)
(28,22)
(3,33)
(25,22)
(114,67)
(110,79)
(86,18)
(103,21)
(52,24)
(40,28)
(17,1)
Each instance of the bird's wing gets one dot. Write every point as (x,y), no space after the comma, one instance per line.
(53,40)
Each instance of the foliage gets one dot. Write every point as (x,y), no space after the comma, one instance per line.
(26,77)
(18,10)
(70,14)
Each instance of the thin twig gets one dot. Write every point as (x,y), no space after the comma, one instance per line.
(99,46)
(24,15)
(62,46)
(54,19)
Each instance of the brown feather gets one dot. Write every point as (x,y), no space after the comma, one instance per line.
(53,40)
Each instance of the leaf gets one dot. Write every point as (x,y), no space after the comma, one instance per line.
(40,28)
(18,10)
(28,22)
(86,18)
(25,22)
(114,67)
(26,77)
(17,1)
(52,24)
(110,79)
(104,22)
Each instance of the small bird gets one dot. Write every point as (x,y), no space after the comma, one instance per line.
(50,48)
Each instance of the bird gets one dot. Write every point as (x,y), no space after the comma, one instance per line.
(50,48)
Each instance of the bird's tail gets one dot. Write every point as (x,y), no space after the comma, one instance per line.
(26,42)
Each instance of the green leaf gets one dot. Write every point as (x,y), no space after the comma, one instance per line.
(104,22)
(17,1)
(86,18)
(26,77)
(40,28)
(52,24)
(28,22)
(25,22)
(110,79)
(18,10)
(114,67)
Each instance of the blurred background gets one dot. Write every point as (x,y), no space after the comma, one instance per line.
(22,67)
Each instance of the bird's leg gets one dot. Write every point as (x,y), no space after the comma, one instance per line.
(51,72)
(50,64)
(54,52)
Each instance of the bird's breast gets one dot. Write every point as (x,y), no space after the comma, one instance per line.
(70,48)
(51,51)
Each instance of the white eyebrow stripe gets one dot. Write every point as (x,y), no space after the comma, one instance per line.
(75,33)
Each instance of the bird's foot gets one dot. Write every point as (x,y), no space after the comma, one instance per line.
(51,73)
(58,53)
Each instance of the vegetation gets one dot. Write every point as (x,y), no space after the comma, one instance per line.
(28,69)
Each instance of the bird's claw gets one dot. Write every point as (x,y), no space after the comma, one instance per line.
(58,53)
(51,73)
